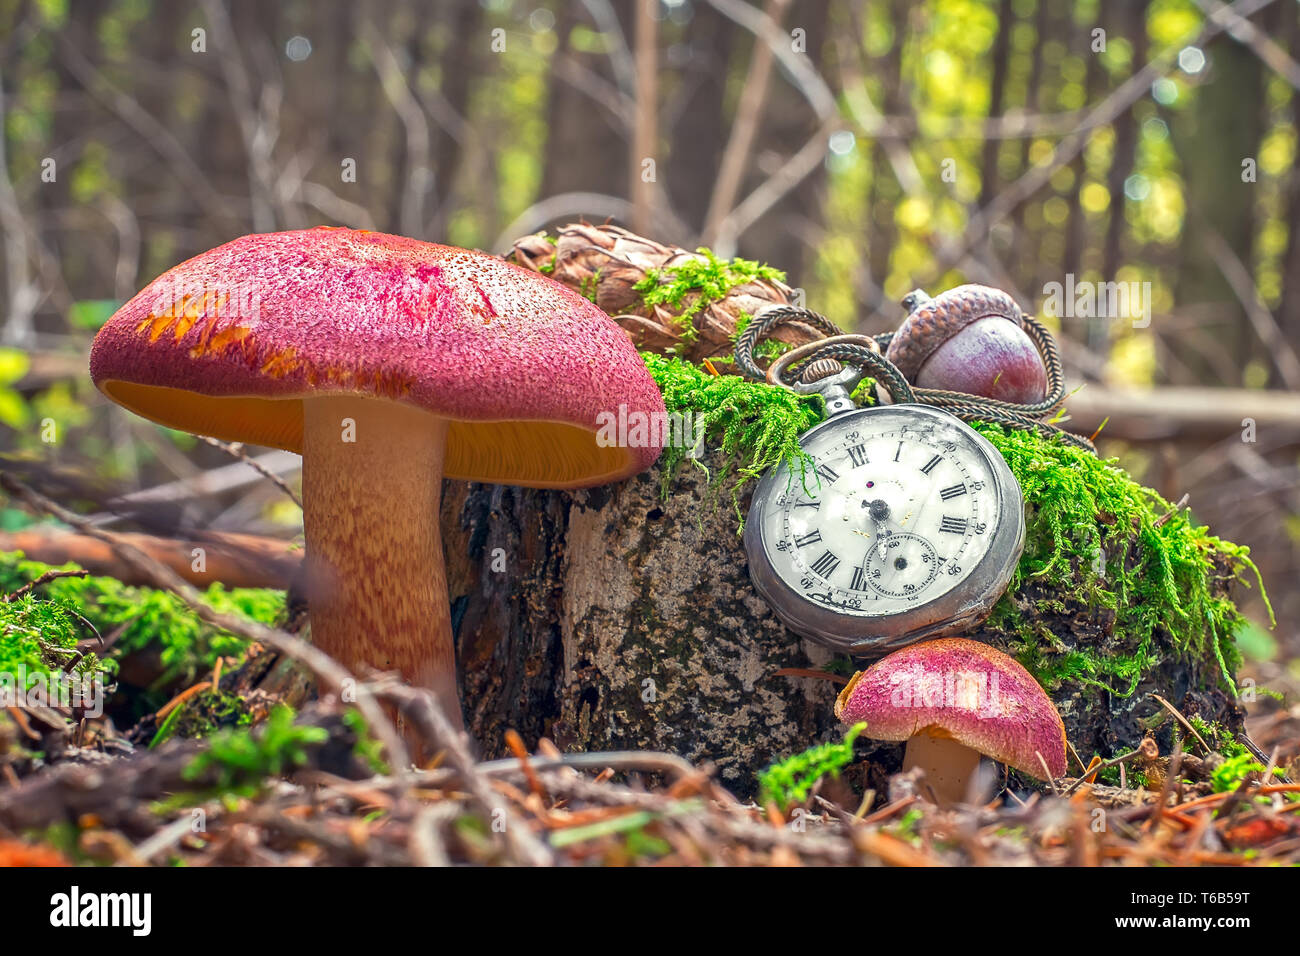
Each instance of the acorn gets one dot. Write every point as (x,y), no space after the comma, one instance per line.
(969,339)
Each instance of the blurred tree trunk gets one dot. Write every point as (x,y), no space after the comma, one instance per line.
(1121,166)
(460,62)
(585,149)
(787,233)
(1212,138)
(1001,56)
(1030,269)
(698,131)
(879,226)
(1289,308)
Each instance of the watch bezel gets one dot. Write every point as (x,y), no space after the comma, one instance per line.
(866,634)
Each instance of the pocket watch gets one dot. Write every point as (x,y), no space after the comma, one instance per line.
(905,523)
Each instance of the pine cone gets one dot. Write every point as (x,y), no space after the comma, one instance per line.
(606,263)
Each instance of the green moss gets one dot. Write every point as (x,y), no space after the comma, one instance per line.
(790,781)
(144,617)
(755,425)
(1134,779)
(40,637)
(244,759)
(703,280)
(1107,543)
(1229,774)
(1220,738)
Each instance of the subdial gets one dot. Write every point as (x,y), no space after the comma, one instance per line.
(901,565)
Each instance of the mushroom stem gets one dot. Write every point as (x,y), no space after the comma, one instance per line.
(376,584)
(949,766)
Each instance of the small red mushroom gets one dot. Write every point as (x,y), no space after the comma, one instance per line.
(388,364)
(952,700)
(969,339)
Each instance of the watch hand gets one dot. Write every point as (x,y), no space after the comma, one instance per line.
(878,512)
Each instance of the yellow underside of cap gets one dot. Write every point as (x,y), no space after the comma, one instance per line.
(533,454)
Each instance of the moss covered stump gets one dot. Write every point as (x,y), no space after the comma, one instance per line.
(623,617)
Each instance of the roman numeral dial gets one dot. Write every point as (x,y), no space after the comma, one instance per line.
(890,513)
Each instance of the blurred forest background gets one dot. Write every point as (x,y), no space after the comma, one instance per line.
(865,147)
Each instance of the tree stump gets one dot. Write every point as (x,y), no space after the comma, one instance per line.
(615,618)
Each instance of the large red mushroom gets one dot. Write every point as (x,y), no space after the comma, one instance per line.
(389,364)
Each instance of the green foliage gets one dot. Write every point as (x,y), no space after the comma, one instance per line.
(14,411)
(1229,774)
(41,636)
(756,425)
(790,781)
(243,759)
(705,280)
(91,313)
(146,617)
(1106,541)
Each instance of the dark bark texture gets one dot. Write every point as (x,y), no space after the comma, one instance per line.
(622,620)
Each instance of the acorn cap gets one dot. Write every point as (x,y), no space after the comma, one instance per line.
(963,690)
(228,344)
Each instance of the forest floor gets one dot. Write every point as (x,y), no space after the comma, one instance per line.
(312,789)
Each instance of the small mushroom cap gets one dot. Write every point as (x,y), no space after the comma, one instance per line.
(964,690)
(229,343)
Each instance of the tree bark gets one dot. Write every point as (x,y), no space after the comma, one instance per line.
(620,620)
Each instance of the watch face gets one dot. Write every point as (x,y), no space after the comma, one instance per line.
(906,523)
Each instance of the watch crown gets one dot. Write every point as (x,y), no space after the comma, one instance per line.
(819,369)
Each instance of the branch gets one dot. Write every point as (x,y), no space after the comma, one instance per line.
(235,560)
(1266,327)
(620,59)
(791,174)
(1243,31)
(419,177)
(152,131)
(1128,93)
(215,481)
(587,205)
(798,67)
(1168,412)
(741,141)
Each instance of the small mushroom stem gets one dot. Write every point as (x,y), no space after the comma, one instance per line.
(376,584)
(949,766)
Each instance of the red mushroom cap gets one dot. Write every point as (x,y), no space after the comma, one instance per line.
(964,690)
(229,342)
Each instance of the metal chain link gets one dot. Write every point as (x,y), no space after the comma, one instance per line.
(868,355)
